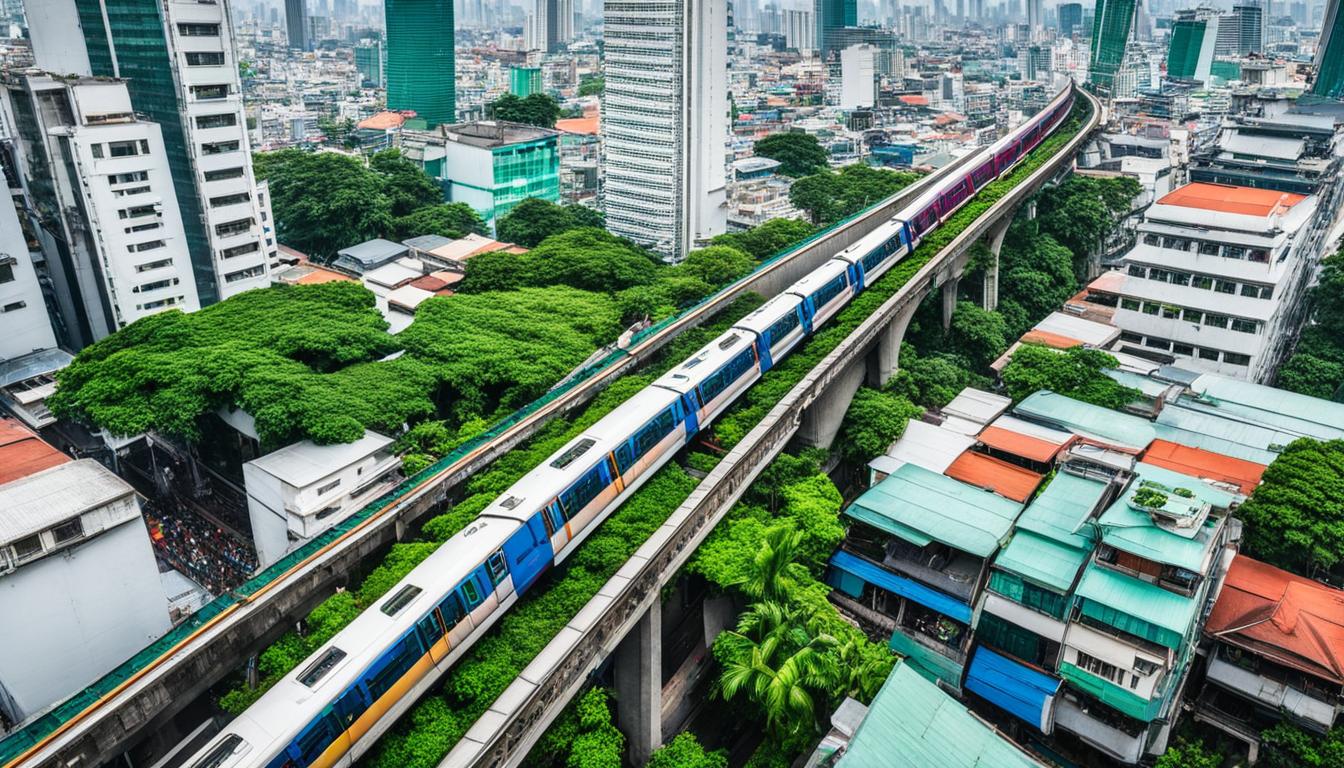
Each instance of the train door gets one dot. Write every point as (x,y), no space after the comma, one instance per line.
(528,553)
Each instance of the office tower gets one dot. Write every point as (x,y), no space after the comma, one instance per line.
(98,191)
(1033,62)
(550,25)
(1194,38)
(858,77)
(1110,34)
(665,121)
(1328,81)
(179,65)
(799,32)
(524,81)
(369,62)
(297,25)
(831,15)
(1070,19)
(1249,21)
(420,65)
(1035,17)
(977,10)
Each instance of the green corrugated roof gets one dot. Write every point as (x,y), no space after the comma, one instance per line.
(1135,532)
(1128,595)
(919,506)
(1061,508)
(1323,419)
(1085,418)
(913,724)
(1196,439)
(1173,479)
(1041,560)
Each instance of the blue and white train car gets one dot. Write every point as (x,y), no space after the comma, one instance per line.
(711,379)
(824,291)
(779,324)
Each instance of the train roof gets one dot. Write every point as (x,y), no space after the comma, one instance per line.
(768,313)
(871,241)
(818,277)
(545,481)
(695,368)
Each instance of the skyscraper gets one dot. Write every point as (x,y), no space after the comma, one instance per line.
(831,15)
(1035,17)
(1328,82)
(179,64)
(665,121)
(1111,26)
(1250,24)
(420,66)
(1070,19)
(297,25)
(369,62)
(549,25)
(1194,37)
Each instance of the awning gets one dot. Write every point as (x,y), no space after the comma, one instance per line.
(926,596)
(1016,688)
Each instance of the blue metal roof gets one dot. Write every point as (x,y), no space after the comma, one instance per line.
(926,596)
(1020,690)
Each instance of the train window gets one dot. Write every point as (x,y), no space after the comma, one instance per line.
(728,342)
(723,378)
(389,668)
(782,327)
(314,739)
(829,291)
(580,493)
(574,452)
(400,600)
(547,521)
(873,259)
(350,706)
(318,669)
(625,457)
(430,630)
(471,593)
(652,433)
(497,568)
(451,610)
(222,751)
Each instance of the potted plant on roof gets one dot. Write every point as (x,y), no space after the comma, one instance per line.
(1149,498)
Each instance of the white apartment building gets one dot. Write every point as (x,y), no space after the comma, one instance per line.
(1214,278)
(303,489)
(195,94)
(858,77)
(23,311)
(104,208)
(665,121)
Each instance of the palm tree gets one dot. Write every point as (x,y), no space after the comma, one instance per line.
(780,683)
(770,574)
(864,668)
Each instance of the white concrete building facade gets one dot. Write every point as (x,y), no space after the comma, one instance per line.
(23,311)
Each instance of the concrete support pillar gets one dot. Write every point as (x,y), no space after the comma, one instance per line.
(822,419)
(991,287)
(639,686)
(886,357)
(949,301)
(1031,209)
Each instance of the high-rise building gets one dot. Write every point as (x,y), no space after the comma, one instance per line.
(665,121)
(490,165)
(420,65)
(1035,17)
(1194,38)
(1070,19)
(858,77)
(180,68)
(369,62)
(799,32)
(1033,62)
(524,81)
(297,25)
(550,25)
(1249,21)
(1113,21)
(1328,81)
(831,15)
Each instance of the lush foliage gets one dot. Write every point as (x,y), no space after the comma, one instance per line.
(535,219)
(1295,518)
(407,187)
(1287,746)
(829,197)
(798,153)
(683,751)
(1189,753)
(592,86)
(765,240)
(587,258)
(875,420)
(933,380)
(451,220)
(1316,367)
(536,109)
(1076,372)
(1083,211)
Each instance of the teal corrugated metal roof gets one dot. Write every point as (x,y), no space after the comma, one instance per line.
(1041,560)
(1087,419)
(1198,439)
(913,724)
(1145,384)
(1173,479)
(1060,509)
(1136,598)
(1135,532)
(1190,415)
(1311,416)
(919,506)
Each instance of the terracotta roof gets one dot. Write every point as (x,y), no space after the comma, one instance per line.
(1018,444)
(1008,480)
(321,275)
(1198,462)
(23,453)
(1286,618)
(588,124)
(1246,201)
(1058,341)
(382,121)
(913,100)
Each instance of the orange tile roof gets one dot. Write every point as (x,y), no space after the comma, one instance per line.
(1198,462)
(1224,198)
(588,124)
(914,100)
(1284,617)
(382,121)
(1018,444)
(320,275)
(1008,480)
(1058,341)
(23,453)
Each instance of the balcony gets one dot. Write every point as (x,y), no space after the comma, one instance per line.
(1090,722)
(945,569)
(1309,709)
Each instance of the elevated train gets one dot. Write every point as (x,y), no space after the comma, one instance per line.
(335,706)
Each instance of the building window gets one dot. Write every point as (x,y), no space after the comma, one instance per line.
(68,531)
(205,59)
(97,150)
(1180,278)
(217,121)
(219,147)
(143,227)
(168,302)
(1157,343)
(6,272)
(156,285)
(145,246)
(233,227)
(210,92)
(198,30)
(1151,308)
(239,250)
(128,148)
(1208,249)
(1100,668)
(1215,321)
(28,546)
(130,191)
(1201,281)
(14,306)
(1130,336)
(127,178)
(152,265)
(1245,326)
(1225,286)
(333,485)
(222,175)
(1135,270)
(1193,316)
(241,197)
(1183,349)
(1236,358)
(1208,354)
(136,212)
(1170,312)
(245,274)
(1130,304)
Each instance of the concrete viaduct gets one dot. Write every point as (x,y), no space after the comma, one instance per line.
(625,618)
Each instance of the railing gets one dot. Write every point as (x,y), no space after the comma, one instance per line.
(505,733)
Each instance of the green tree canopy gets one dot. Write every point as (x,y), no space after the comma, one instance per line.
(537,109)
(323,201)
(1295,518)
(535,219)
(875,420)
(452,220)
(683,751)
(1082,211)
(588,258)
(1287,746)
(798,153)
(829,197)
(1316,367)
(592,85)
(1077,372)
(979,334)
(765,240)
(717,265)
